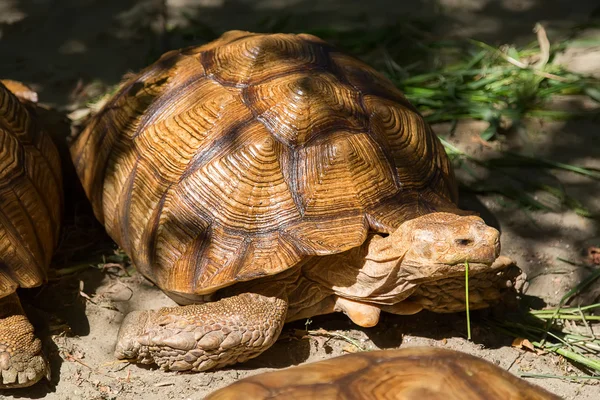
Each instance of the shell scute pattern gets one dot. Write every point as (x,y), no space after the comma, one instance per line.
(237,159)
(30,196)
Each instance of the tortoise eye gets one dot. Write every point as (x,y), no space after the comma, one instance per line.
(463,242)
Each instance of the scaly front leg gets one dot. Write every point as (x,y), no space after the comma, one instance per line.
(203,336)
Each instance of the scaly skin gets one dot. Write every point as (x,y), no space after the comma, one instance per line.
(22,362)
(199,337)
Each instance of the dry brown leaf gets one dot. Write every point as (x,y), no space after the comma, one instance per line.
(522,343)
(544,46)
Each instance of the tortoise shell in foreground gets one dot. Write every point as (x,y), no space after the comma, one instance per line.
(30,213)
(414,373)
(268,178)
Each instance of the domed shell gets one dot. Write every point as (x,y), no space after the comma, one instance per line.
(415,373)
(238,159)
(30,193)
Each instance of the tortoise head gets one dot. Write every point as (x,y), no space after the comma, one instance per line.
(431,254)
(422,265)
(438,245)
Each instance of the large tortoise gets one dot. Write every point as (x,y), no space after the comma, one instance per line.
(30,211)
(412,373)
(260,179)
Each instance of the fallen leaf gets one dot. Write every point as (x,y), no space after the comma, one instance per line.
(522,343)
(544,46)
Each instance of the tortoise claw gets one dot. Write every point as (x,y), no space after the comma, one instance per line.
(133,325)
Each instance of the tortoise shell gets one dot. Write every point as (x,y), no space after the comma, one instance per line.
(240,158)
(414,373)
(30,192)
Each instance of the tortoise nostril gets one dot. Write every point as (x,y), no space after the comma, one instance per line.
(463,242)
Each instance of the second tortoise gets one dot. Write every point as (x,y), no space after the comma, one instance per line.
(261,179)
(31,201)
(412,373)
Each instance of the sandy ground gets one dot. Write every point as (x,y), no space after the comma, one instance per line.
(60,47)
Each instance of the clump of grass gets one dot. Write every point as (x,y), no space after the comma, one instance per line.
(485,86)
(568,331)
(562,338)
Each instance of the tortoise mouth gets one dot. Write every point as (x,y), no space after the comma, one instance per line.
(435,273)
(485,289)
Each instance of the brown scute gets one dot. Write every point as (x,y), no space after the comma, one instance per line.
(412,144)
(30,195)
(250,59)
(415,373)
(319,101)
(239,158)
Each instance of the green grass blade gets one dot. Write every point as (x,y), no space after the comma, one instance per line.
(467,300)
(566,377)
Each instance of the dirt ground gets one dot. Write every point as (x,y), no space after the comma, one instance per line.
(63,48)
